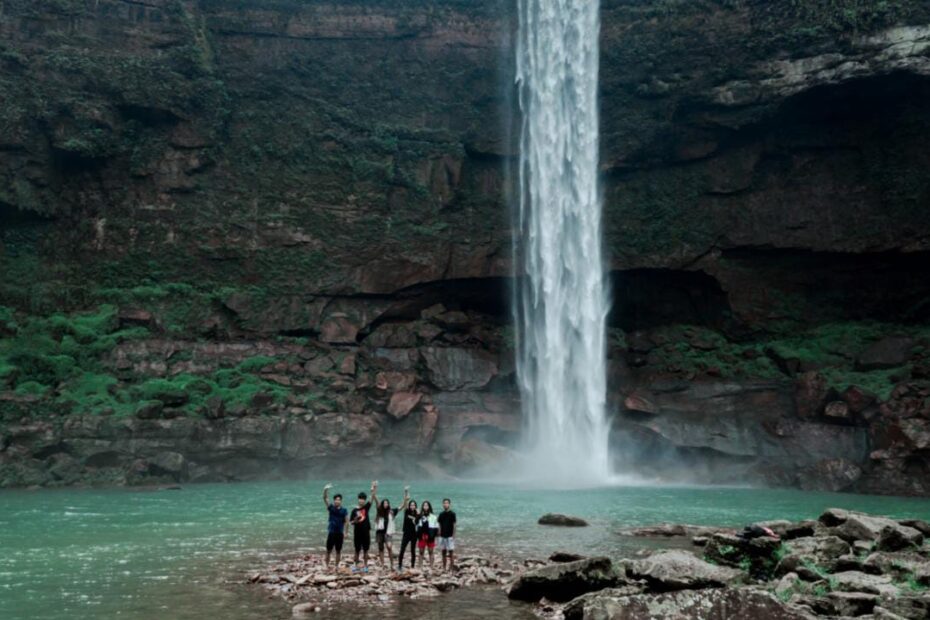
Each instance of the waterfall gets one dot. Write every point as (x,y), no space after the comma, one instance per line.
(561,301)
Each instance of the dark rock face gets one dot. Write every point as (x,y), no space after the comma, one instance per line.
(234,173)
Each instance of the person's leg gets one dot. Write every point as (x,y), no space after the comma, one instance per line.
(429,547)
(340,538)
(329,548)
(442,551)
(358,548)
(390,549)
(366,545)
(451,546)
(379,538)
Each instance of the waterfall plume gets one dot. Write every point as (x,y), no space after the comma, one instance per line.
(561,301)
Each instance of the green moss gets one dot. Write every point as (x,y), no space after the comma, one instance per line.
(32,388)
(256,363)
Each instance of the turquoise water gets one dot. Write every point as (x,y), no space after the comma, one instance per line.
(156,554)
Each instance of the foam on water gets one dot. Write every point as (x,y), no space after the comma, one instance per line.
(562,302)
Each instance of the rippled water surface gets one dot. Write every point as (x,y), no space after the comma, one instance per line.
(159,554)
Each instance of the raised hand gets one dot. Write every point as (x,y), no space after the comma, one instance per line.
(328,486)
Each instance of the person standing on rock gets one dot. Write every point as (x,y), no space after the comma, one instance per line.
(447,533)
(359,518)
(427,529)
(384,526)
(338,525)
(409,533)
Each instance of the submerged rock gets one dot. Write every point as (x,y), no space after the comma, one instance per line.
(552,518)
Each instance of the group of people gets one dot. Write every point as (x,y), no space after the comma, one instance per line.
(420,529)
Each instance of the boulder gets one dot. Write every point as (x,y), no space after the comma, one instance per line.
(305,610)
(851,603)
(678,570)
(759,554)
(888,352)
(859,526)
(170,463)
(811,394)
(553,518)
(855,581)
(857,399)
(897,537)
(402,403)
(911,607)
(899,565)
(716,604)
(918,524)
(564,556)
(822,551)
(338,328)
(589,605)
(563,582)
(837,410)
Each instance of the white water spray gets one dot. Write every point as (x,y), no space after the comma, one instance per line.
(562,302)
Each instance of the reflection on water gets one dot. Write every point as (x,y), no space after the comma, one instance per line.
(142,555)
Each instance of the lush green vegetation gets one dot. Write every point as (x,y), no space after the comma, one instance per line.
(831,349)
(61,358)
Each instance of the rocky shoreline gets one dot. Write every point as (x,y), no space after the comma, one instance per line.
(843,565)
(312,587)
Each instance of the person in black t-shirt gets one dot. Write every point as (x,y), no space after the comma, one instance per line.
(361,521)
(409,534)
(447,533)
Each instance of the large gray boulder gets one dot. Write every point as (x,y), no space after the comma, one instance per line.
(855,581)
(898,537)
(821,551)
(716,604)
(680,570)
(564,581)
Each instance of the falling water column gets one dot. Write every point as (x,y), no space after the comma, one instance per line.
(562,300)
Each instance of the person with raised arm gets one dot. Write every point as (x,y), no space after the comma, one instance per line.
(338,525)
(384,527)
(360,518)
(409,531)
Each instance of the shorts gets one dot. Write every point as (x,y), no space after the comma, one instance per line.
(362,541)
(447,544)
(334,541)
(382,538)
(426,542)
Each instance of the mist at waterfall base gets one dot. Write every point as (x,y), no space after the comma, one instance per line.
(561,303)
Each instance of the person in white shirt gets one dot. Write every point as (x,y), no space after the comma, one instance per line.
(384,527)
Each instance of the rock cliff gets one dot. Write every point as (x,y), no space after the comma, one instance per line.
(257,238)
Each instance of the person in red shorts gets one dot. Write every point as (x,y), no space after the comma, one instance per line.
(427,528)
